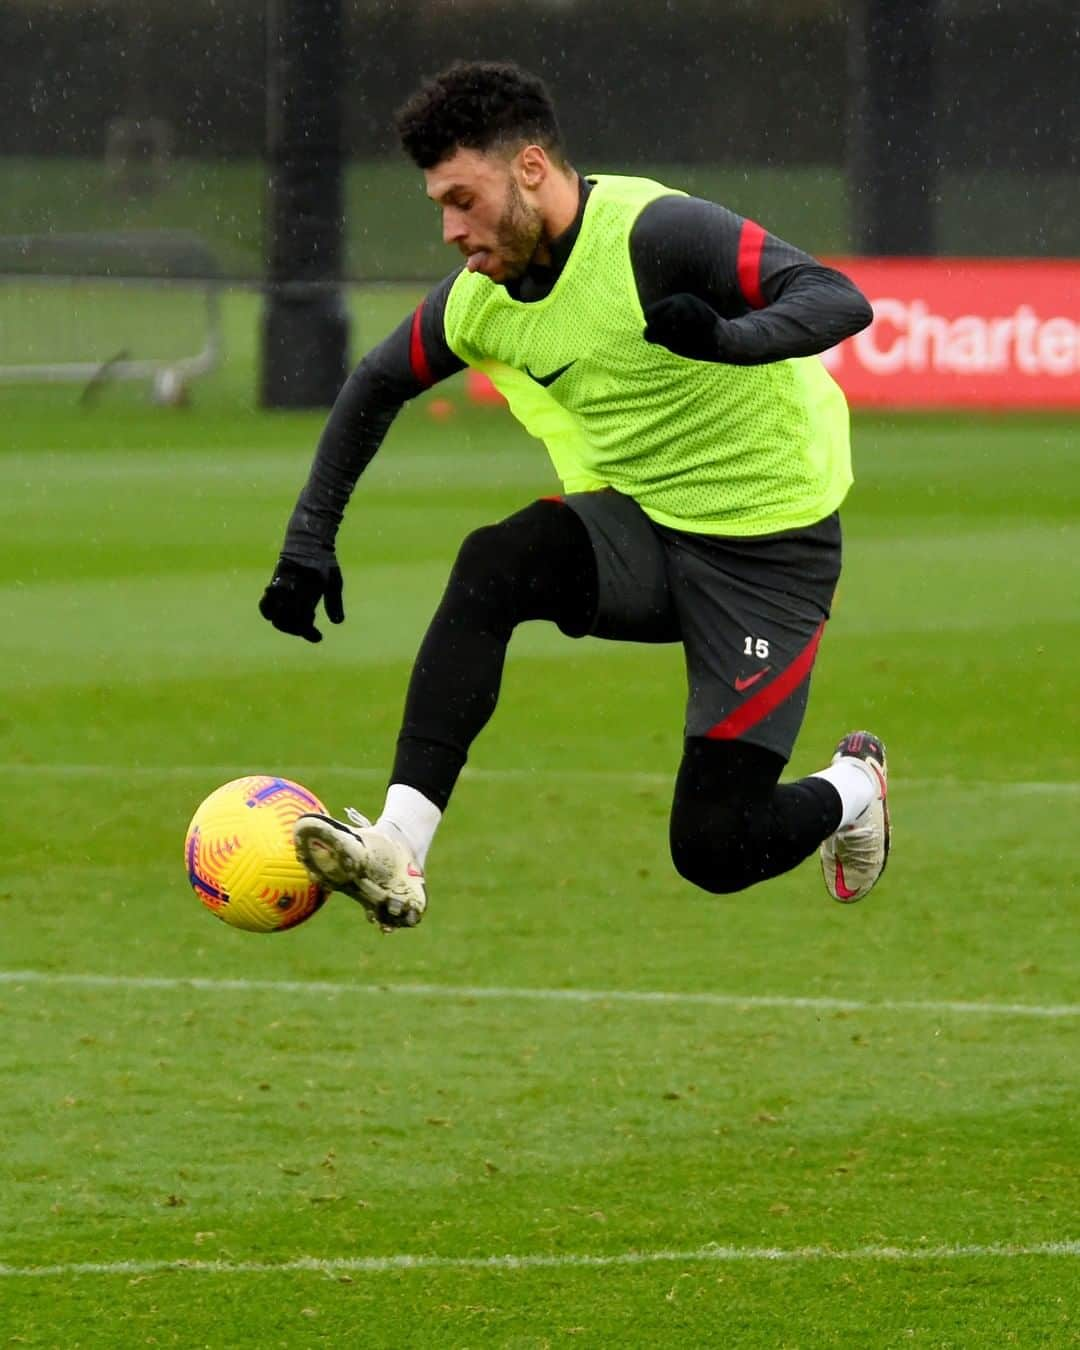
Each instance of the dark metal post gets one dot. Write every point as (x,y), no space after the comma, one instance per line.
(893,157)
(305,323)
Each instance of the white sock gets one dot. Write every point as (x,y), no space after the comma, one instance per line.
(412,817)
(855,785)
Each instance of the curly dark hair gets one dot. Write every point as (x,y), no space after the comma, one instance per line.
(476,105)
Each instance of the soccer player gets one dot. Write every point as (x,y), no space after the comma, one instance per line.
(664,349)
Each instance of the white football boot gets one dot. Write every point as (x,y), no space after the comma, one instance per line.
(854,857)
(364,863)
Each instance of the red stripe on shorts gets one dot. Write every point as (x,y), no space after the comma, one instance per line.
(751,242)
(769,698)
(417,356)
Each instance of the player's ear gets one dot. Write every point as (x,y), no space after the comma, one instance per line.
(532,166)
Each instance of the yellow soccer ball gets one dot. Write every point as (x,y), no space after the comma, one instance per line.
(240,856)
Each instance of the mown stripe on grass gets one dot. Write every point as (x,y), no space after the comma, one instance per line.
(374,1265)
(699,998)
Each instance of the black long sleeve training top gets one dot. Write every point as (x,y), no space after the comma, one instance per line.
(777,301)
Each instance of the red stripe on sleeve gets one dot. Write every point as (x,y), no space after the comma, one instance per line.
(751,242)
(767,699)
(417,356)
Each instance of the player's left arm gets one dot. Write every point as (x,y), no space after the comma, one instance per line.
(715,286)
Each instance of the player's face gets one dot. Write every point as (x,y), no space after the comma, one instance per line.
(485,215)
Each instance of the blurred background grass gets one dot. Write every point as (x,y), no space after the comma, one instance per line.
(390,225)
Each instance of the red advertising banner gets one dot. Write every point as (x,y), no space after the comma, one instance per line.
(959,332)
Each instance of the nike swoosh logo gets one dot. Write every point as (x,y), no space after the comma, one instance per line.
(741,684)
(842,890)
(545,380)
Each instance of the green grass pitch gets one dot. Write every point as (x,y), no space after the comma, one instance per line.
(830,1127)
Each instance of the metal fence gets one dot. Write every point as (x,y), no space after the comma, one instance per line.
(84,306)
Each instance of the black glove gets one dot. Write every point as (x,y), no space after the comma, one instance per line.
(289,601)
(684,325)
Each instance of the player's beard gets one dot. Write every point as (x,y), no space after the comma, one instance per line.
(518,234)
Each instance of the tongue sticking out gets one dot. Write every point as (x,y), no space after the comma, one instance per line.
(475,261)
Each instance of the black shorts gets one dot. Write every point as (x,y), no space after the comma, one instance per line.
(749,611)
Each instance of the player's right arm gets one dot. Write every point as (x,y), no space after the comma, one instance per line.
(411,359)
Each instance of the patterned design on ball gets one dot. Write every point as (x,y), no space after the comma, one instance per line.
(240,858)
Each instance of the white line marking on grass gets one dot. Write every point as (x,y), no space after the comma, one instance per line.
(538,995)
(375,1265)
(632,777)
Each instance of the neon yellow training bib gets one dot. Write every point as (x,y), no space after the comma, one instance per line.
(701,446)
